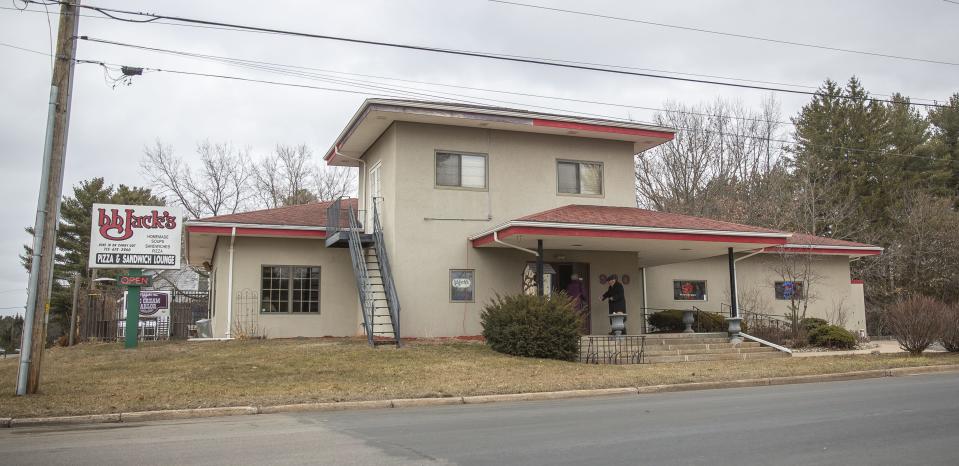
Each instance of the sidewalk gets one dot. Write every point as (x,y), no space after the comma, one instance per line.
(879,346)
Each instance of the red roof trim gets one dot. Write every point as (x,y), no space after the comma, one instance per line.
(825,250)
(602,128)
(256,231)
(667,236)
(855,282)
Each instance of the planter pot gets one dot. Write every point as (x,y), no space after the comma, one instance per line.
(617,323)
(735,329)
(688,319)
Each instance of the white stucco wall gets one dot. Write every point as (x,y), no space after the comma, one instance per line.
(830,292)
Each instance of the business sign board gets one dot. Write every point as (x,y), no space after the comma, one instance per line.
(133,236)
(129,280)
(154,318)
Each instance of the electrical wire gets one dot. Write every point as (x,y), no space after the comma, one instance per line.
(3,44)
(557,60)
(607,118)
(536,61)
(722,33)
(283,69)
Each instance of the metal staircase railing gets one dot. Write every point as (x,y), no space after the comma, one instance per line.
(386,274)
(361,274)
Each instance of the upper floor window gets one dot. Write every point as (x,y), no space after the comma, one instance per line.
(579,177)
(461,170)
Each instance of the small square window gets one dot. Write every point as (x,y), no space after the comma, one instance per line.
(462,286)
(579,177)
(461,170)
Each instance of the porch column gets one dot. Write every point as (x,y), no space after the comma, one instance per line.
(734,321)
(539,267)
(734,308)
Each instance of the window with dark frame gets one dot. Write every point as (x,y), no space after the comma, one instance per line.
(290,289)
(574,177)
(462,285)
(459,170)
(789,290)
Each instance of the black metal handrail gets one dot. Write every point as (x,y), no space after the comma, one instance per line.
(333,217)
(361,274)
(621,349)
(386,273)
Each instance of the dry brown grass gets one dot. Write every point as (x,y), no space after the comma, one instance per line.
(103,378)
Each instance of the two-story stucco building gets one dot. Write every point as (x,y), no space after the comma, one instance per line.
(473,201)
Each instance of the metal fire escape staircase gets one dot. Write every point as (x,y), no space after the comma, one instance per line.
(379,302)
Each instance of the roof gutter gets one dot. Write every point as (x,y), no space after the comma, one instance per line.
(584,226)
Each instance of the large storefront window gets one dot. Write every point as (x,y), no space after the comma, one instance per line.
(289,289)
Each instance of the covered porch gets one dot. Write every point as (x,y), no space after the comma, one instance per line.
(564,241)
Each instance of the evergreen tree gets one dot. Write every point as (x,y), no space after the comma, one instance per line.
(73,236)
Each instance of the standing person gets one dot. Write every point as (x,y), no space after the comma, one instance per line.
(577,295)
(616,296)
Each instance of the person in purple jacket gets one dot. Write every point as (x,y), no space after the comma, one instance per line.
(577,294)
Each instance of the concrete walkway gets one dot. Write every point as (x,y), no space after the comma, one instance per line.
(882,346)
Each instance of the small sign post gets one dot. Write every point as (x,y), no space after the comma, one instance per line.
(133,310)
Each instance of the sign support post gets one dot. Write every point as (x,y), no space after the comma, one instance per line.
(133,311)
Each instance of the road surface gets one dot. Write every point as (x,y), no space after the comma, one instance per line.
(903,420)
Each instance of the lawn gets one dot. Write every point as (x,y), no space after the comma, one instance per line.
(103,378)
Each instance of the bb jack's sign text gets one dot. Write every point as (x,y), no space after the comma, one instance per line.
(128,236)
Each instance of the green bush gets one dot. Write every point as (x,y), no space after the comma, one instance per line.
(671,321)
(832,336)
(532,326)
(812,323)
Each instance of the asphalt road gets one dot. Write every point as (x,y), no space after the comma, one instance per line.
(907,420)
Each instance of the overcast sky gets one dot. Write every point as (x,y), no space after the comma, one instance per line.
(110,127)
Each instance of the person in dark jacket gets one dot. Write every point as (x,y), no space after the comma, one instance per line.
(615,295)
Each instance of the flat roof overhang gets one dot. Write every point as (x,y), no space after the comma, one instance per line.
(655,246)
(201,237)
(376,115)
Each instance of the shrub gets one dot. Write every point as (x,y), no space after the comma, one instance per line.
(812,323)
(950,329)
(671,321)
(533,326)
(916,322)
(832,336)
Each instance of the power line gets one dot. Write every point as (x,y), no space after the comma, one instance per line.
(282,69)
(727,34)
(4,44)
(491,56)
(556,60)
(606,117)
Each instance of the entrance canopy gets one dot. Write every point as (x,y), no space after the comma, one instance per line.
(657,237)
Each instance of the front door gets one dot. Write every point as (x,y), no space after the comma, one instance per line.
(375,195)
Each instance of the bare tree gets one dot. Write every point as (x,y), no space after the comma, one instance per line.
(725,162)
(217,185)
(333,182)
(283,177)
(800,269)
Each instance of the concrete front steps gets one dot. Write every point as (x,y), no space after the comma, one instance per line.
(687,347)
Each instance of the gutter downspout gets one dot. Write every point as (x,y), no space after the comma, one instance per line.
(498,241)
(229,288)
(366,183)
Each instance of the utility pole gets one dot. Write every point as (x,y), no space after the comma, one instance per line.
(48,204)
(73,307)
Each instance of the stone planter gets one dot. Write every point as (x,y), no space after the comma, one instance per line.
(617,323)
(688,318)
(735,329)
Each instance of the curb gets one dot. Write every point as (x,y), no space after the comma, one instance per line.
(173,414)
